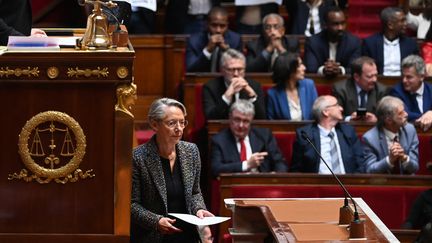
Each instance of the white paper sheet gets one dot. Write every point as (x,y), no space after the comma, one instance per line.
(192,219)
(256,2)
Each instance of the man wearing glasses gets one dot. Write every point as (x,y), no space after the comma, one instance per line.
(242,148)
(337,142)
(220,93)
(262,52)
(204,49)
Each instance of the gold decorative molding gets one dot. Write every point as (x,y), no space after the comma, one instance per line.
(53,72)
(77,72)
(126,96)
(122,72)
(17,72)
(47,129)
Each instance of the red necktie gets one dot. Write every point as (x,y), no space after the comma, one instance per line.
(242,150)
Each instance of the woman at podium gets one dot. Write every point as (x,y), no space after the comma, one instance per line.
(166,179)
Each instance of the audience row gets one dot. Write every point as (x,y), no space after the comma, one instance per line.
(329,52)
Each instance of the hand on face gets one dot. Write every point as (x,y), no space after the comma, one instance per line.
(215,40)
(236,85)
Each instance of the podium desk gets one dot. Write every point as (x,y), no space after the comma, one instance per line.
(66,152)
(300,220)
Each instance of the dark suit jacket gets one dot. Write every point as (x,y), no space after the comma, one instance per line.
(317,51)
(305,159)
(216,108)
(149,195)
(346,93)
(196,61)
(15,19)
(177,14)
(225,157)
(373,46)
(411,105)
(255,60)
(299,14)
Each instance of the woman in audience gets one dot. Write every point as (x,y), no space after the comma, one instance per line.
(293,95)
(166,179)
(426,52)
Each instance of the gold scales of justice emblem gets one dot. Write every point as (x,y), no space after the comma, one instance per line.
(47,161)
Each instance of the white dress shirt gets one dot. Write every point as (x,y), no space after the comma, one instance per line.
(325,150)
(392,57)
(248,151)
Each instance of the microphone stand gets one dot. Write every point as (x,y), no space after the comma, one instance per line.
(356,225)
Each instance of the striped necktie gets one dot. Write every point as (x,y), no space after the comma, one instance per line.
(334,154)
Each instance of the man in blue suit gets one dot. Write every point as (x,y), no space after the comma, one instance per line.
(390,41)
(392,145)
(337,143)
(204,49)
(414,92)
(242,148)
(332,50)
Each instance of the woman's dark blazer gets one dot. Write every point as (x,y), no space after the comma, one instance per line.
(149,195)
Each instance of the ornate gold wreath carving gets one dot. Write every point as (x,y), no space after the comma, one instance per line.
(53,72)
(87,72)
(122,72)
(5,71)
(68,172)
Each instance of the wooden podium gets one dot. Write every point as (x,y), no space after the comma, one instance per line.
(299,220)
(66,152)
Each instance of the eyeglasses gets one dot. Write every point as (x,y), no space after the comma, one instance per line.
(274,26)
(233,70)
(173,123)
(334,105)
(238,121)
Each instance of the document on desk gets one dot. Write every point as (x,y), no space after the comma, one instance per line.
(27,43)
(192,219)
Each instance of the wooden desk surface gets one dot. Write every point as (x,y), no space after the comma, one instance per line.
(278,218)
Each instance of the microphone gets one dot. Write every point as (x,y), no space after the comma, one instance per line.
(356,226)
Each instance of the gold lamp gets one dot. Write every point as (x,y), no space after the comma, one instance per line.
(97,35)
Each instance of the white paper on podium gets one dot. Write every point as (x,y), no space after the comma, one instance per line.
(192,219)
(256,2)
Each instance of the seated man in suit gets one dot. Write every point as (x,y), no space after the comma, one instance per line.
(390,41)
(337,142)
(262,52)
(332,50)
(306,17)
(203,49)
(220,93)
(244,148)
(360,91)
(392,145)
(414,92)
